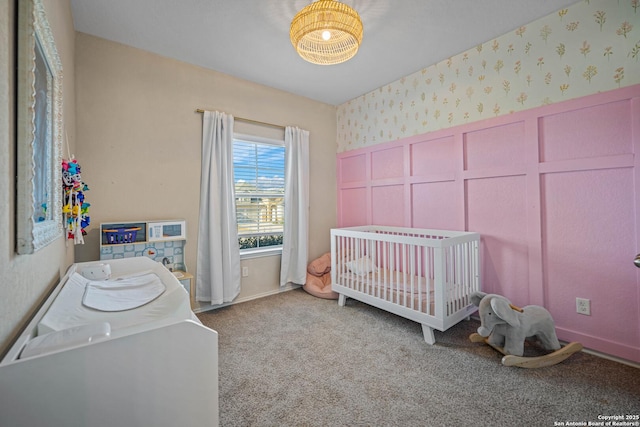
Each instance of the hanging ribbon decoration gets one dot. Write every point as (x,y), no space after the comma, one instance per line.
(74,208)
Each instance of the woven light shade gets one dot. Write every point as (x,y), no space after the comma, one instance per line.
(326,32)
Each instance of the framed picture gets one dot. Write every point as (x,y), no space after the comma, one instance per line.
(39,131)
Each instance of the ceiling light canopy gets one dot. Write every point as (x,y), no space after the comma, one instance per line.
(326,32)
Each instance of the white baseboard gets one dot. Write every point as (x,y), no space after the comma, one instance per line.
(202,307)
(612,358)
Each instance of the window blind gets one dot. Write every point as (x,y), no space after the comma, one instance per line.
(259,192)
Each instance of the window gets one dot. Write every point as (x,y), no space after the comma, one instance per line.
(258,167)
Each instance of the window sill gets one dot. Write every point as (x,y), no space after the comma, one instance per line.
(258,253)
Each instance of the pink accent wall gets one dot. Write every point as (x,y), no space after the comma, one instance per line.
(554,192)
(497,207)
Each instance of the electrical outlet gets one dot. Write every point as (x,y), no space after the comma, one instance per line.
(583,306)
(245,271)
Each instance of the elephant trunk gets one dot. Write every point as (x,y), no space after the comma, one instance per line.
(484,332)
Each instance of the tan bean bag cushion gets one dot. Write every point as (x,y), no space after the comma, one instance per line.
(319,278)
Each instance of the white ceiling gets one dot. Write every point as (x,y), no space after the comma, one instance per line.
(249,39)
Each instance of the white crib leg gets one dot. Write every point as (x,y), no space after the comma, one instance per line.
(341,300)
(428,334)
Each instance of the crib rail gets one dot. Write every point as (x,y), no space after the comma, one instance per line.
(416,273)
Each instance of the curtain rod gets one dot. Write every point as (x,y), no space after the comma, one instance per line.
(199,110)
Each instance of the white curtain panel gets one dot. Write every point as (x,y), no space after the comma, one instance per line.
(293,267)
(218,273)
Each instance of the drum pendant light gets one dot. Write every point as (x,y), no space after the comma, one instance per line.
(326,32)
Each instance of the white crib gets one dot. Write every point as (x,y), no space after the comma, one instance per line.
(422,275)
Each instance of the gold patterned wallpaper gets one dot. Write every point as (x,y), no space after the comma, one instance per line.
(592,46)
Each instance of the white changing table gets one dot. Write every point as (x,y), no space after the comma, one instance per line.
(158,366)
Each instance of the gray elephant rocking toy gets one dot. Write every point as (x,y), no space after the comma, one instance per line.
(505,328)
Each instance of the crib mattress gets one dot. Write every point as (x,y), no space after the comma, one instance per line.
(413,292)
(388,280)
(400,288)
(68,311)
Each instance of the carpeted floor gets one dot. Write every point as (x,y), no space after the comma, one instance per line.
(295,360)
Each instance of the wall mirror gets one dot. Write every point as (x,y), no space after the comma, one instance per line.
(39,131)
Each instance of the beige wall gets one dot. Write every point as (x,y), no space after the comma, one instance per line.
(139,141)
(26,279)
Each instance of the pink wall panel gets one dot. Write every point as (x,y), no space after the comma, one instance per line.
(387,163)
(601,130)
(496,208)
(554,192)
(435,156)
(354,208)
(587,218)
(353,168)
(494,147)
(387,205)
(434,207)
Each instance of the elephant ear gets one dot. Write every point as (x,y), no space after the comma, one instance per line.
(502,308)
(476,297)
